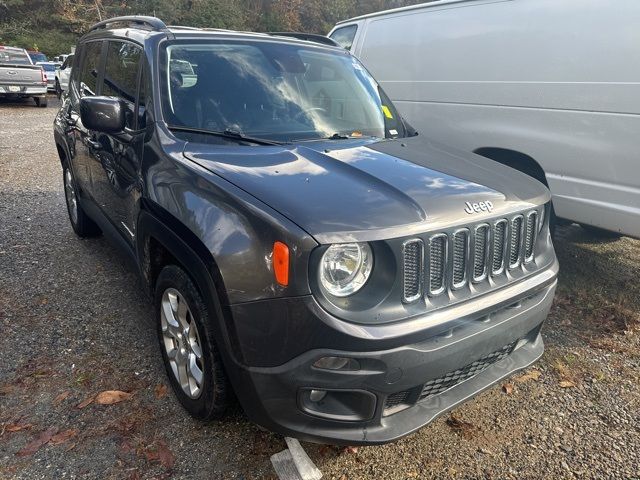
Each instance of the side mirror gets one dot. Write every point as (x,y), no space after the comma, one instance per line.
(103,114)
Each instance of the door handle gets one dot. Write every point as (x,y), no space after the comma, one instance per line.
(94,144)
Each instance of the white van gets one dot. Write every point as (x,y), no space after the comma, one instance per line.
(550,87)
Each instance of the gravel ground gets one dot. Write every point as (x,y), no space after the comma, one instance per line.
(75,322)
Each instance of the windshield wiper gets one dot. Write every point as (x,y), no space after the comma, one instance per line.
(230,134)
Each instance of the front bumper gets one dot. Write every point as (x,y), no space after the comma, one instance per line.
(385,398)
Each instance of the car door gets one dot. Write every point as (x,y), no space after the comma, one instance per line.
(65,73)
(84,84)
(115,170)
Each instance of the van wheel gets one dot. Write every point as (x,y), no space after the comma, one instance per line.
(80,221)
(189,350)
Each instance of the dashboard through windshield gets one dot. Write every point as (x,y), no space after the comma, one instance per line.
(278,91)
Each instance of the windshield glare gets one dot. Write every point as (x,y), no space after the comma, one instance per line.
(277,91)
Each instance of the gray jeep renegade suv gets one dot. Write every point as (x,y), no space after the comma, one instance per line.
(348,279)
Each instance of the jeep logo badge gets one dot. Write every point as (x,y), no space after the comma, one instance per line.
(478,207)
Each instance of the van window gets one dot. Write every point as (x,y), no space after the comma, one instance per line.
(121,75)
(345,35)
(89,73)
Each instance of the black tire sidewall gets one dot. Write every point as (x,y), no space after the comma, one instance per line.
(84,226)
(212,402)
(75,225)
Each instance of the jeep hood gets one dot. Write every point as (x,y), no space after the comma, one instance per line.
(348,190)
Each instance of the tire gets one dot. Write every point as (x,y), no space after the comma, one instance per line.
(81,223)
(175,293)
(41,101)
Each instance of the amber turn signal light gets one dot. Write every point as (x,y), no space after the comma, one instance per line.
(281,263)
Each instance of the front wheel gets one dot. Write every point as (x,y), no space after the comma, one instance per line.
(187,342)
(80,221)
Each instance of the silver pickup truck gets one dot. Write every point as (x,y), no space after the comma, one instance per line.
(20,78)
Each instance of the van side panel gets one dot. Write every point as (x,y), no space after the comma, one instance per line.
(557,81)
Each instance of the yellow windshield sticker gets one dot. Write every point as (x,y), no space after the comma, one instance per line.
(386,111)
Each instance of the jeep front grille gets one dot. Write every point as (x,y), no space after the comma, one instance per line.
(530,235)
(474,254)
(413,254)
(437,263)
(481,241)
(460,243)
(499,246)
(406,398)
(451,379)
(515,244)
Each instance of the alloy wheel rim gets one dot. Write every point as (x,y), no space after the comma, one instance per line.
(70,195)
(181,342)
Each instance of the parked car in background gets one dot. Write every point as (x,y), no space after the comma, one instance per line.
(63,72)
(36,56)
(349,279)
(60,58)
(49,73)
(547,87)
(20,78)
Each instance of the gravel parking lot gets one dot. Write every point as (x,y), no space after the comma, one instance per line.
(75,323)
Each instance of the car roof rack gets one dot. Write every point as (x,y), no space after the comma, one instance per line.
(134,21)
(309,37)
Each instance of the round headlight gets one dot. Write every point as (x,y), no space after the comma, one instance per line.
(345,268)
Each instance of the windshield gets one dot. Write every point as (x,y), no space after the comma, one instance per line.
(38,57)
(277,91)
(14,57)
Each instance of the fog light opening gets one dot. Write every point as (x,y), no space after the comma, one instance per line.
(337,363)
(317,395)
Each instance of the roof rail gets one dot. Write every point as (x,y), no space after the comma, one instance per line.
(133,20)
(309,37)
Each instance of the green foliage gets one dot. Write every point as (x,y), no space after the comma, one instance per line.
(54,25)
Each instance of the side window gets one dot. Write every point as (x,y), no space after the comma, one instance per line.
(345,35)
(89,74)
(121,74)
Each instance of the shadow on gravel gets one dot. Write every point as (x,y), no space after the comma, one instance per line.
(598,297)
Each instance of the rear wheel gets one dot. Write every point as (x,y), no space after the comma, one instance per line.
(41,101)
(80,221)
(189,350)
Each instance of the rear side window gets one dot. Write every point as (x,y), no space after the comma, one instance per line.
(345,35)
(121,75)
(89,74)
